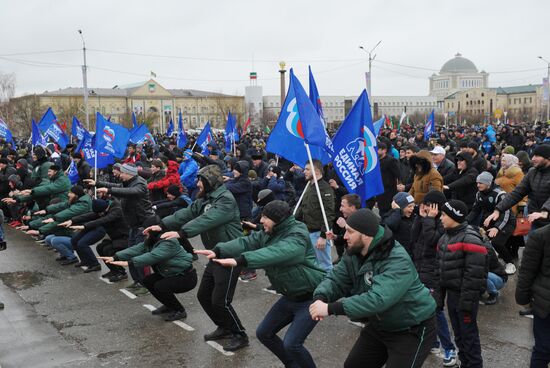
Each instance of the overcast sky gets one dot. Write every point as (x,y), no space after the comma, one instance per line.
(213,45)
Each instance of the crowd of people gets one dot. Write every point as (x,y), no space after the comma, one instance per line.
(456,209)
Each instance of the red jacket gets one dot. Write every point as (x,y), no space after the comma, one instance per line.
(171,178)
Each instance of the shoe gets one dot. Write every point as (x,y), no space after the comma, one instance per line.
(218,334)
(135,285)
(491,299)
(161,310)
(435,350)
(238,341)
(248,276)
(174,316)
(93,269)
(510,269)
(3,245)
(61,258)
(79,264)
(142,290)
(270,288)
(195,257)
(107,275)
(449,357)
(67,262)
(526,312)
(118,277)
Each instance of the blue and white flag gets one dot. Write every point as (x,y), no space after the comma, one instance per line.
(323,153)
(298,123)
(142,135)
(429,128)
(231,132)
(5,133)
(110,137)
(182,137)
(50,126)
(72,173)
(356,154)
(86,147)
(204,138)
(378,125)
(37,139)
(77,130)
(170,129)
(134,121)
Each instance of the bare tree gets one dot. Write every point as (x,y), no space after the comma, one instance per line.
(7,91)
(24,110)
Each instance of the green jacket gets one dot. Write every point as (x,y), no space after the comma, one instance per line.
(383,288)
(62,212)
(39,173)
(167,257)
(286,255)
(58,187)
(215,217)
(309,211)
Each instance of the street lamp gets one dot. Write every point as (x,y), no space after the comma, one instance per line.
(85,80)
(282,70)
(369,74)
(547,88)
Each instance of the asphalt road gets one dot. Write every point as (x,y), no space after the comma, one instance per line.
(60,317)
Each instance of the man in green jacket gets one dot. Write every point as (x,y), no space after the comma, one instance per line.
(376,281)
(284,250)
(43,194)
(215,217)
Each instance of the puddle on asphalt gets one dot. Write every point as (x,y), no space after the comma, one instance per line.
(22,280)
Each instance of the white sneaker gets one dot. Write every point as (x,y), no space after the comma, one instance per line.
(510,269)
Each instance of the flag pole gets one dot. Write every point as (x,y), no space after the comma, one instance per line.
(317,187)
(95,174)
(300,200)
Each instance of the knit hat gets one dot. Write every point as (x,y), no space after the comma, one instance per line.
(117,166)
(174,190)
(434,197)
(77,189)
(485,178)
(276,211)
(509,150)
(55,168)
(265,196)
(4,161)
(22,163)
(129,169)
(99,205)
(364,221)
(455,209)
(252,174)
(403,199)
(542,150)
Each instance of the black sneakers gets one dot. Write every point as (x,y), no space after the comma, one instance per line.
(218,334)
(174,316)
(118,277)
(93,269)
(161,310)
(238,341)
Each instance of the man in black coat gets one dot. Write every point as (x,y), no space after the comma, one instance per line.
(390,178)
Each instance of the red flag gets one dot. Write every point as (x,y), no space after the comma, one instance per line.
(64,126)
(246,125)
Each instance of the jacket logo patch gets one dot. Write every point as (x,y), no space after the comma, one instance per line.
(207,207)
(491,200)
(368,278)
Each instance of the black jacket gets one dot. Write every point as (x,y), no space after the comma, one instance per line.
(479,162)
(112,221)
(425,233)
(83,168)
(446,169)
(241,188)
(534,273)
(463,265)
(463,184)
(485,205)
(401,227)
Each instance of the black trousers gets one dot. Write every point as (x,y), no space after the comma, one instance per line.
(108,248)
(164,288)
(374,348)
(466,333)
(216,294)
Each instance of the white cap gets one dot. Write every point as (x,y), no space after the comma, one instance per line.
(438,150)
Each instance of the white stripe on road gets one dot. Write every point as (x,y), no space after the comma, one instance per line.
(185,326)
(150,307)
(358,324)
(105,280)
(127,293)
(219,348)
(270,291)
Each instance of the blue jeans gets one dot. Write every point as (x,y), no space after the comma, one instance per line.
(48,240)
(541,351)
(494,283)
(324,256)
(1,232)
(443,332)
(62,244)
(291,350)
(82,243)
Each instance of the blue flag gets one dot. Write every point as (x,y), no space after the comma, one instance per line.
(182,137)
(77,130)
(134,121)
(110,137)
(86,147)
(170,130)
(323,153)
(37,139)
(491,134)
(356,154)
(142,135)
(72,173)
(429,128)
(204,138)
(298,123)
(378,125)
(5,133)
(49,125)
(231,132)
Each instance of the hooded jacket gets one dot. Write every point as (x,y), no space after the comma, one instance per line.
(428,179)
(241,188)
(463,185)
(509,179)
(112,221)
(171,177)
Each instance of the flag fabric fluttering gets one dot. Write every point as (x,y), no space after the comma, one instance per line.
(403,116)
(298,123)
(246,125)
(134,121)
(5,133)
(50,126)
(429,128)
(204,138)
(72,173)
(170,130)
(355,152)
(323,153)
(378,125)
(86,147)
(231,133)
(182,137)
(142,135)
(37,139)
(77,130)
(110,137)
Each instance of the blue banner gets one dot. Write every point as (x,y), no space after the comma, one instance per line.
(182,137)
(77,130)
(231,132)
(204,138)
(5,133)
(37,139)
(50,126)
(142,135)
(429,128)
(170,130)
(86,147)
(72,173)
(111,138)
(378,125)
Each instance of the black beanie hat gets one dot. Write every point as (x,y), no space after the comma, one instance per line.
(276,211)
(77,189)
(435,197)
(364,221)
(542,150)
(174,190)
(99,205)
(55,167)
(39,152)
(455,209)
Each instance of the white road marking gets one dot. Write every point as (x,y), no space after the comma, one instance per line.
(358,324)
(270,291)
(185,326)
(150,307)
(127,293)
(219,348)
(105,280)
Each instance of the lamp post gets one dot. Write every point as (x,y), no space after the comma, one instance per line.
(547,88)
(282,70)
(369,74)
(85,80)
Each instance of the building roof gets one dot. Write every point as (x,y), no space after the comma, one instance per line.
(458,64)
(531,88)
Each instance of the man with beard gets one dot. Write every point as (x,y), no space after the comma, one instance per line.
(376,282)
(215,217)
